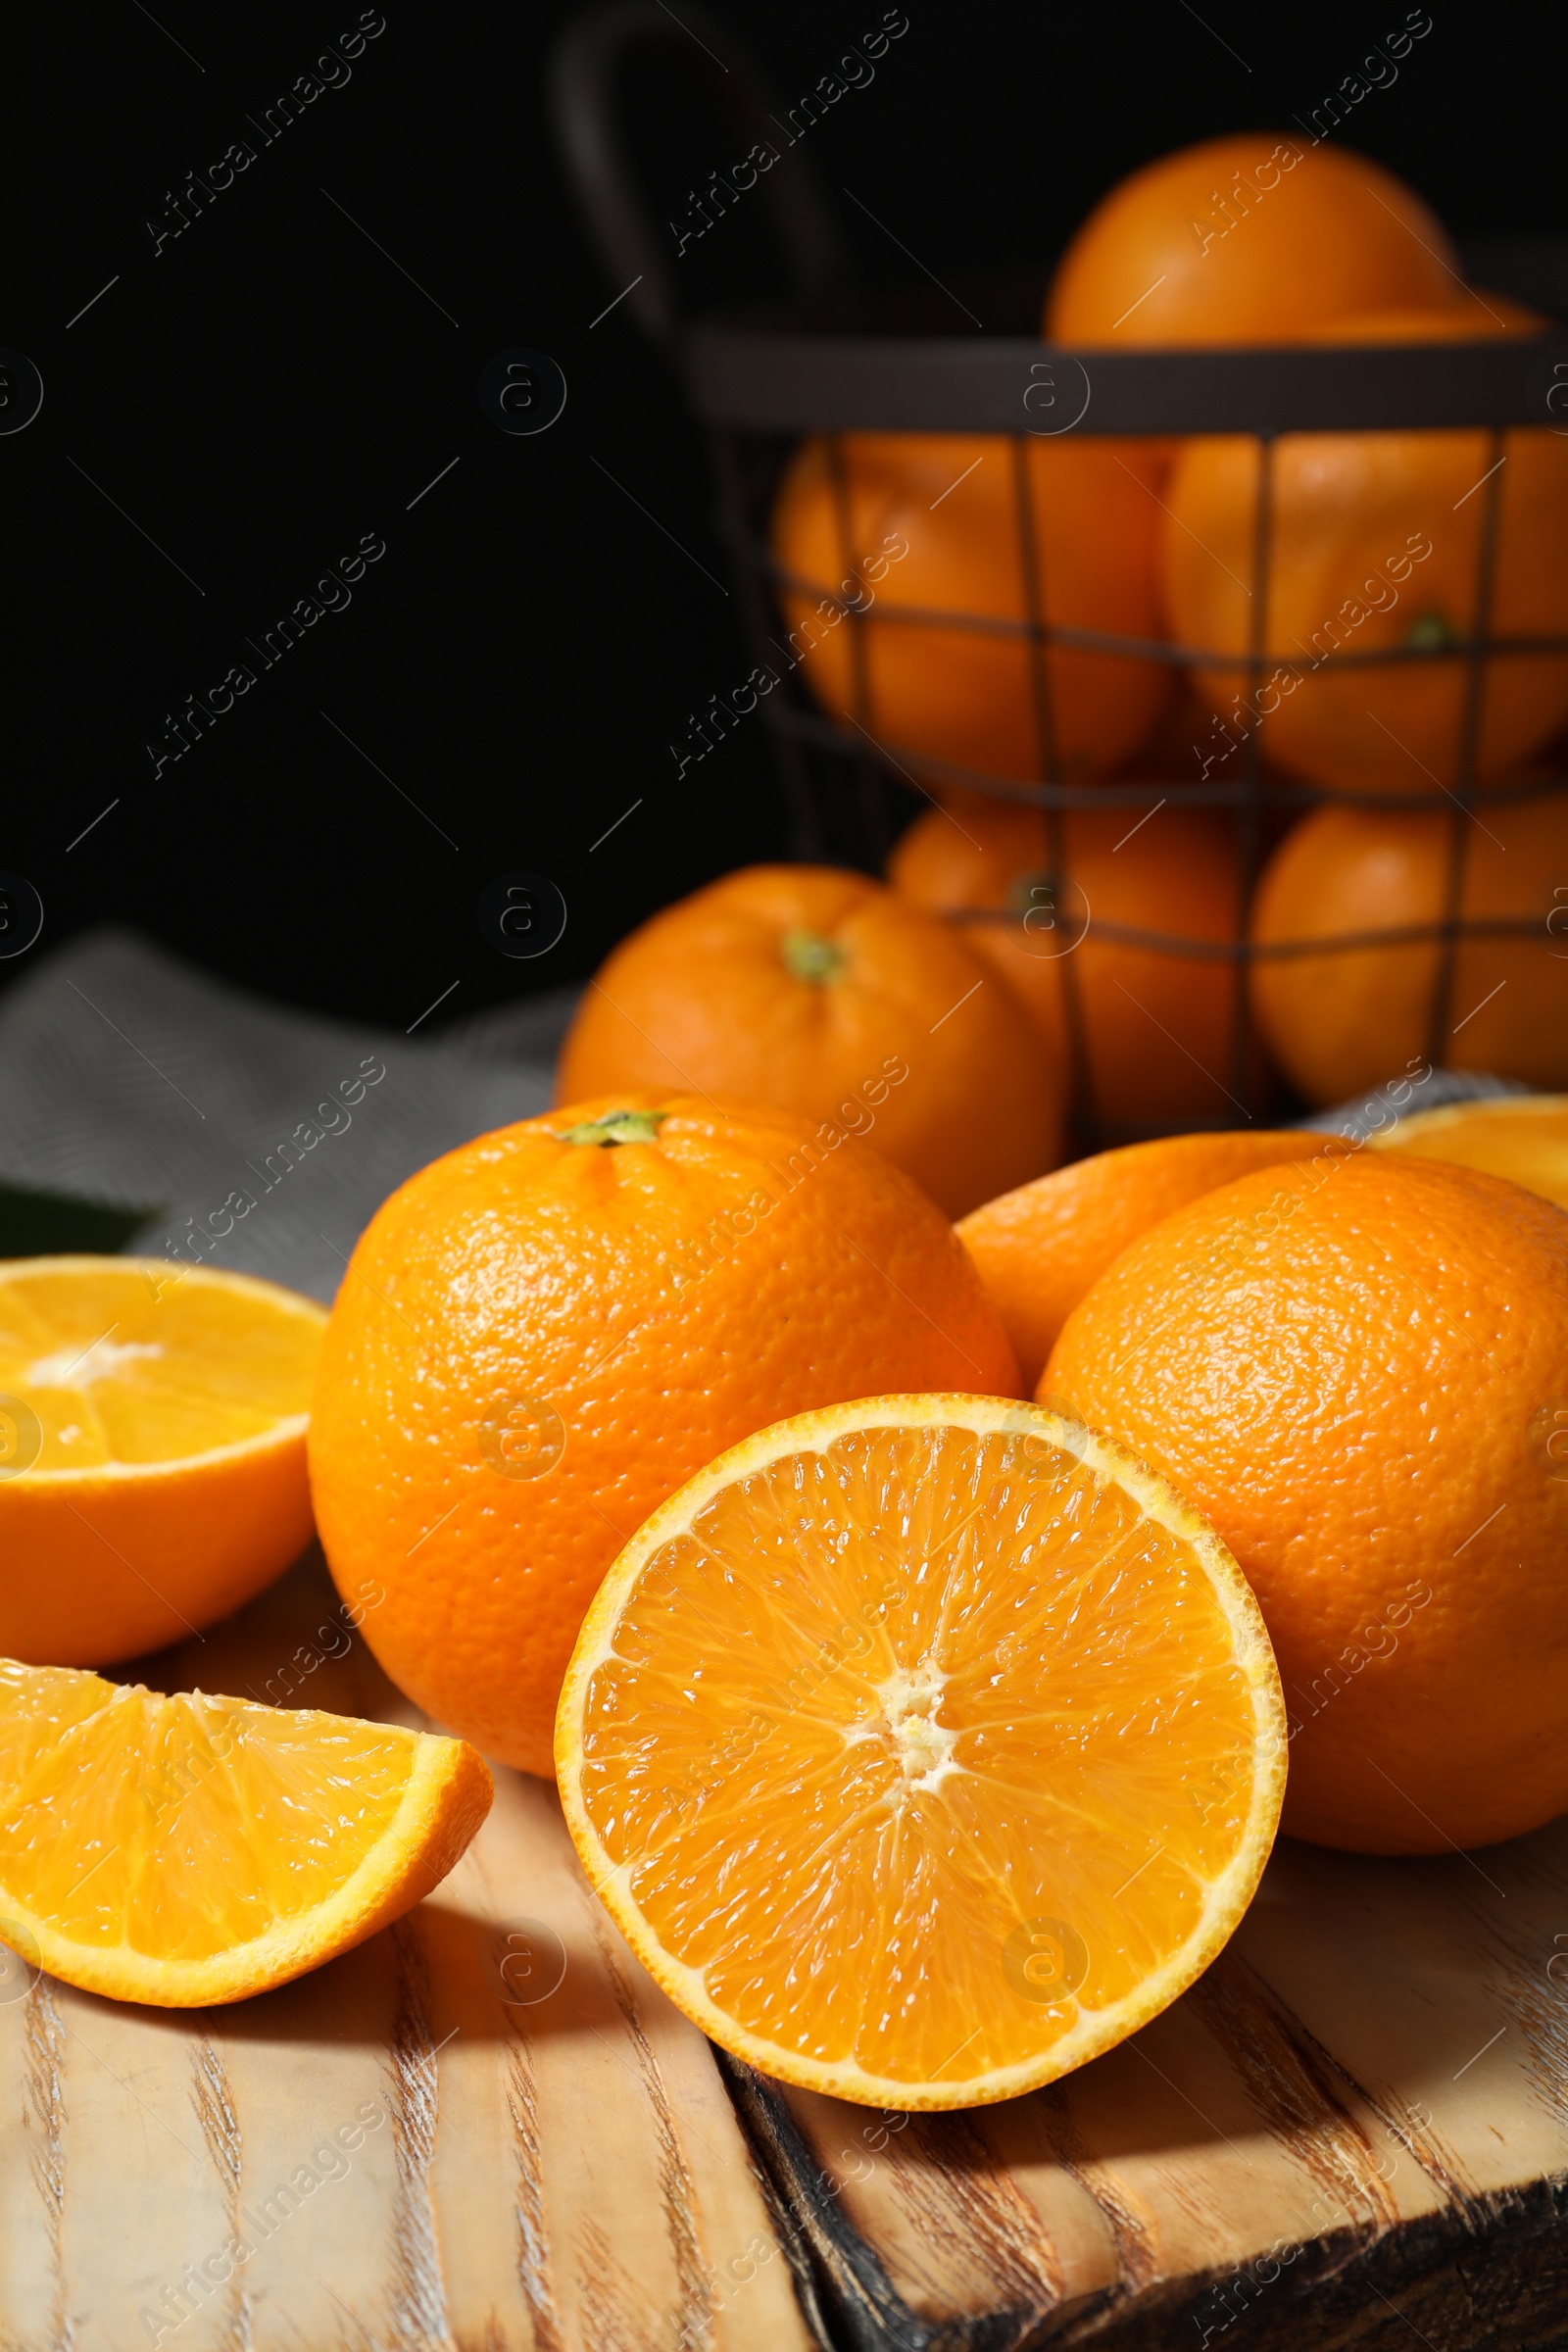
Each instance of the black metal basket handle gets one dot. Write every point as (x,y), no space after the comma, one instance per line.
(583,70)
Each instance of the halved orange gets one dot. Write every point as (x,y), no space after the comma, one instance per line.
(152,1450)
(193,1850)
(1523,1137)
(923,1748)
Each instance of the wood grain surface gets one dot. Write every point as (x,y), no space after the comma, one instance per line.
(429,2142)
(1353,2131)
(487,2130)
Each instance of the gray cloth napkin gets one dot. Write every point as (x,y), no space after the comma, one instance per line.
(264,1139)
(1382,1106)
(259,1138)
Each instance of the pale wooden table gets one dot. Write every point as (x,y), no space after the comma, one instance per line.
(1352,2131)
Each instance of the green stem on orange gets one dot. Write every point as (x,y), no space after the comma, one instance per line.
(1430,633)
(616,1127)
(810,957)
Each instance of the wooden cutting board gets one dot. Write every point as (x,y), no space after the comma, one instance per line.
(487,2130)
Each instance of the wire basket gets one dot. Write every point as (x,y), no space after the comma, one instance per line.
(833,361)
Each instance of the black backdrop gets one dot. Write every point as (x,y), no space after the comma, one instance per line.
(270,386)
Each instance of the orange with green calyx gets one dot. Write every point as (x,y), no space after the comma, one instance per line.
(827,995)
(544,1333)
(1377,543)
(1046,923)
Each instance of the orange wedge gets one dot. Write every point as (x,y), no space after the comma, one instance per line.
(193,1850)
(1523,1137)
(923,1748)
(152,1450)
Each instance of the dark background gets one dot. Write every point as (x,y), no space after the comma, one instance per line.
(270,387)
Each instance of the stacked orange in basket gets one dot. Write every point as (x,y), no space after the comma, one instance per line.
(1127,930)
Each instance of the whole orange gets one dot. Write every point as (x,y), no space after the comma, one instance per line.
(1354,1016)
(1041,1249)
(1375,547)
(1157,1023)
(542,1335)
(1351,1367)
(1249,238)
(907,528)
(827,995)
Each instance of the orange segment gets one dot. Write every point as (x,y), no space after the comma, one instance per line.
(152,1450)
(192,1849)
(923,1748)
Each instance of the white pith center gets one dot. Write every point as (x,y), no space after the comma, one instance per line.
(77,1368)
(906,1717)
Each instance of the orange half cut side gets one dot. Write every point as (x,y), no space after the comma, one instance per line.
(152,1450)
(923,1748)
(1523,1137)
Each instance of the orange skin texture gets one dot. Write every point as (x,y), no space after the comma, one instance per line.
(702,998)
(1354,1017)
(1176,874)
(601,1285)
(1346,1367)
(1041,1249)
(1349,511)
(1335,233)
(955,693)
